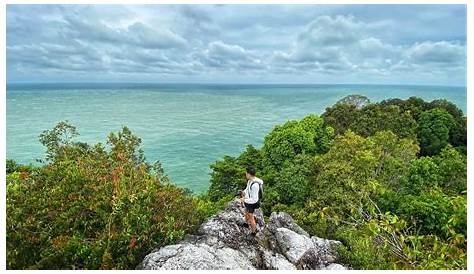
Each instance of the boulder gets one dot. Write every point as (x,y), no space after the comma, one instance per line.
(292,244)
(224,243)
(199,256)
(276,261)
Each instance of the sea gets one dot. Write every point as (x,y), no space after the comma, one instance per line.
(186,127)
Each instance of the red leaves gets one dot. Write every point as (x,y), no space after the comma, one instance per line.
(24,175)
(133,243)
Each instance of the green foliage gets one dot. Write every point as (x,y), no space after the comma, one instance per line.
(358,101)
(227,178)
(412,105)
(371,118)
(448,170)
(283,143)
(422,175)
(430,212)
(431,193)
(205,207)
(452,169)
(341,116)
(12,166)
(228,174)
(363,250)
(434,130)
(92,208)
(376,117)
(402,117)
(58,141)
(356,168)
(292,184)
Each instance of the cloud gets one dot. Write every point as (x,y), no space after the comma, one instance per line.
(238,43)
(230,57)
(329,31)
(441,52)
(220,50)
(341,44)
(136,34)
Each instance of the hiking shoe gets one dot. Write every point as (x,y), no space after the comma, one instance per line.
(250,237)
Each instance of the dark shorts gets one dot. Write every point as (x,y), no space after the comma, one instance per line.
(251,207)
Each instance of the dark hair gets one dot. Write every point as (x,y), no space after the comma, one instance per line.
(251,170)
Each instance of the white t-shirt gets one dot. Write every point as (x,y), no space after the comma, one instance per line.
(251,191)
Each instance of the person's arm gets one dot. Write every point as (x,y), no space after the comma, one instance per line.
(253,194)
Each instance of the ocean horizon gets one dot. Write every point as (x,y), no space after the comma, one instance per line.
(186,126)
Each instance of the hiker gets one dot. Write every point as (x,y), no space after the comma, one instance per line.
(251,198)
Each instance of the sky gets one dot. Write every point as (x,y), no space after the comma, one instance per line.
(311,44)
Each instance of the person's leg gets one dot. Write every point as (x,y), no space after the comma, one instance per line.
(247,217)
(253,224)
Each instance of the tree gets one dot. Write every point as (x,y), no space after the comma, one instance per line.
(341,117)
(413,105)
(376,117)
(58,140)
(285,142)
(359,101)
(452,169)
(357,168)
(434,130)
(370,119)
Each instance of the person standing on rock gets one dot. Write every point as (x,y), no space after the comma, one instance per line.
(251,197)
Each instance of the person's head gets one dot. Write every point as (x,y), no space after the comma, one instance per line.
(250,172)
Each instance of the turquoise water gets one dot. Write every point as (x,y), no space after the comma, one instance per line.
(186,127)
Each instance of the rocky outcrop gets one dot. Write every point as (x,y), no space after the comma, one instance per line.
(224,243)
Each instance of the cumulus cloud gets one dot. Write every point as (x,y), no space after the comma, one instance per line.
(230,57)
(136,34)
(237,43)
(442,52)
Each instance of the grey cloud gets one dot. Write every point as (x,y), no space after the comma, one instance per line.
(222,55)
(342,44)
(220,50)
(331,31)
(437,52)
(137,34)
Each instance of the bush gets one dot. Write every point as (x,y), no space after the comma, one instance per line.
(91,208)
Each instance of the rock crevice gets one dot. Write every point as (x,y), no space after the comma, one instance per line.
(224,243)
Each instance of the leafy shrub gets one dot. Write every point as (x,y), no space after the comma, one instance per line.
(91,208)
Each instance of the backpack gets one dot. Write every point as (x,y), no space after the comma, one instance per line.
(260,191)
